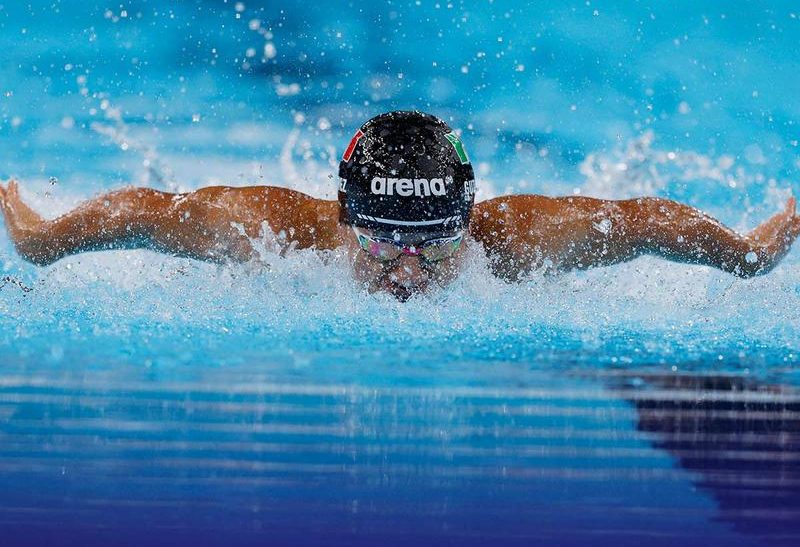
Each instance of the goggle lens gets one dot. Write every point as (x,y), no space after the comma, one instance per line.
(432,250)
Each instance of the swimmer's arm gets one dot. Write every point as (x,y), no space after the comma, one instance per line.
(215,223)
(124,219)
(682,233)
(525,232)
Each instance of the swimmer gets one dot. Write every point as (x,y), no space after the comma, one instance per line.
(405,216)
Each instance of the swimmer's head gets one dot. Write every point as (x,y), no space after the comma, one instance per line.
(406,173)
(406,189)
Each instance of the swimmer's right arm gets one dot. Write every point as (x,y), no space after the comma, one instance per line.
(524,232)
(215,223)
(123,219)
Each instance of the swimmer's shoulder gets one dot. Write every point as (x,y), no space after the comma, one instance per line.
(524,208)
(258,194)
(307,221)
(494,216)
(310,221)
(261,197)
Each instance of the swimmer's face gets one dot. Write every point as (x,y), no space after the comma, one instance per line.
(406,274)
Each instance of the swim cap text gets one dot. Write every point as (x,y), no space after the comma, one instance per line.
(386,186)
(469,189)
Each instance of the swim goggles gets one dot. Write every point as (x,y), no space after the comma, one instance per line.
(386,249)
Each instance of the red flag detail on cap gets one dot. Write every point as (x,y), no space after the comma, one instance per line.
(352,146)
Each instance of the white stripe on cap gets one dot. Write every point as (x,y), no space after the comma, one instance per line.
(408,222)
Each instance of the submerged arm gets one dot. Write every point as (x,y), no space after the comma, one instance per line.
(525,232)
(215,223)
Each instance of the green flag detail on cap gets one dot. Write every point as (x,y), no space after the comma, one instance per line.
(458,145)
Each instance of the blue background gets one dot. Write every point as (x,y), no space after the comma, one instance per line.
(147,398)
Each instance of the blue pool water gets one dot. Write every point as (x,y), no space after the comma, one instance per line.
(153,399)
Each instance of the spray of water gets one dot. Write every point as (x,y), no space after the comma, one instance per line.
(648,310)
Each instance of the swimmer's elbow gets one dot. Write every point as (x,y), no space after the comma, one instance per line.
(37,251)
(39,258)
(42,261)
(747,273)
(750,272)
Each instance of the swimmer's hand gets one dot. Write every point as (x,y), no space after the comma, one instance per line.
(22,222)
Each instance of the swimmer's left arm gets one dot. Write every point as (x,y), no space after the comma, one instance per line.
(526,232)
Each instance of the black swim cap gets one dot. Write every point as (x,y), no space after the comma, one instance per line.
(406,172)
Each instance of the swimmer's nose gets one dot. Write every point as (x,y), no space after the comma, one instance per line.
(408,273)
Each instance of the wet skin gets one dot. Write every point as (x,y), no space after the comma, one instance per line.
(518,233)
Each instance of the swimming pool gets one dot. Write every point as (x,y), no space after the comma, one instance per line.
(146,398)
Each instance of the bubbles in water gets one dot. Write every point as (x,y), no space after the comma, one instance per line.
(287,90)
(754,154)
(323,124)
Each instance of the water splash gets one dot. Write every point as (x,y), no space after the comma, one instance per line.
(648,310)
(721,184)
(9,280)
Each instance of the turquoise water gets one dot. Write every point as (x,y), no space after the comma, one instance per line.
(147,398)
